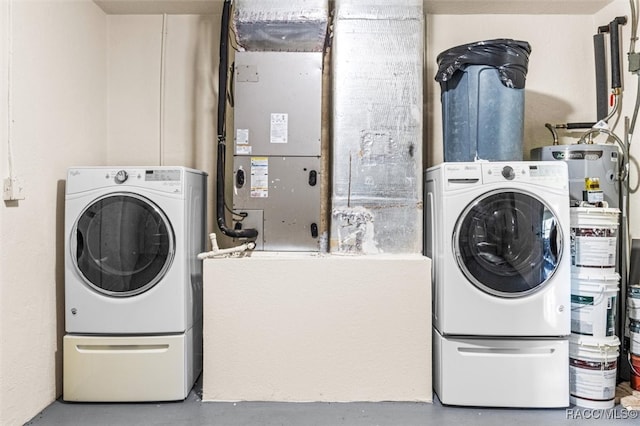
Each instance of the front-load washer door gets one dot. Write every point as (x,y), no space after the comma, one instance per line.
(508,243)
(122,245)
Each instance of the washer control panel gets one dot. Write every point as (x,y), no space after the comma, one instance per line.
(548,174)
(168,180)
(162,175)
(165,179)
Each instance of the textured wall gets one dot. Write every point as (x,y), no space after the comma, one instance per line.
(58,119)
(285,327)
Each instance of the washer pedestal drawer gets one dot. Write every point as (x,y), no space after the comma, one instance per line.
(515,372)
(129,368)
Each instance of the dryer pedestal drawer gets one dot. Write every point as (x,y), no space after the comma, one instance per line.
(514,372)
(131,368)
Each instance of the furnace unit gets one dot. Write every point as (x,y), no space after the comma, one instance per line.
(277,148)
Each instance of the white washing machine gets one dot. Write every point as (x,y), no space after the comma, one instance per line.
(133,283)
(498,235)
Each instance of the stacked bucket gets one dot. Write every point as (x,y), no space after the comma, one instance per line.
(593,345)
(633,309)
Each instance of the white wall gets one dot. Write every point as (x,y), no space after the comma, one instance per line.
(58,110)
(133,102)
(163,111)
(85,90)
(340,328)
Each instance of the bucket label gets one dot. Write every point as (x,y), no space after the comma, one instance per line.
(593,316)
(594,232)
(633,302)
(595,380)
(592,251)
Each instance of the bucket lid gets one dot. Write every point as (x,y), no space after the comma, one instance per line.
(582,276)
(595,210)
(594,342)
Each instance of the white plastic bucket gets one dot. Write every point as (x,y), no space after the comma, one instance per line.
(633,302)
(594,239)
(594,304)
(634,337)
(593,365)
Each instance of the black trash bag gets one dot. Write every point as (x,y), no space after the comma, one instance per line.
(509,57)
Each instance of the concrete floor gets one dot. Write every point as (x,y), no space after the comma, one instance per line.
(194,412)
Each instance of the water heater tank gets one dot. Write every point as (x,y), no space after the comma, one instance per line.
(586,162)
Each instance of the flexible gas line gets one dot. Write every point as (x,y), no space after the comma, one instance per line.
(623,171)
(616,105)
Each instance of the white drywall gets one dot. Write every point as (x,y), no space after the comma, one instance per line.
(162,94)
(286,327)
(56,51)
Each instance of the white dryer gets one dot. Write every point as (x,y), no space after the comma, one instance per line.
(133,283)
(498,235)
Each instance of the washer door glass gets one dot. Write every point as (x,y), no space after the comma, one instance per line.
(123,244)
(508,244)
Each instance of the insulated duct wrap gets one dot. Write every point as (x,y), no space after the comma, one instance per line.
(394,10)
(277,25)
(377,127)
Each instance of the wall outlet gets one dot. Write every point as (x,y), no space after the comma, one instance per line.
(13,189)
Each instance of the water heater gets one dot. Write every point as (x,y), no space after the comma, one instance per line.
(587,163)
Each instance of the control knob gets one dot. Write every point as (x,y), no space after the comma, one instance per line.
(122,176)
(508,173)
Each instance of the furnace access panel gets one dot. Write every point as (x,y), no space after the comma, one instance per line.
(277,133)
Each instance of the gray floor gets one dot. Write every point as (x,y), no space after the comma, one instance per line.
(193,411)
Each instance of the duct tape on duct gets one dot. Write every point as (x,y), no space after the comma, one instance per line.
(374,227)
(354,228)
(276,25)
